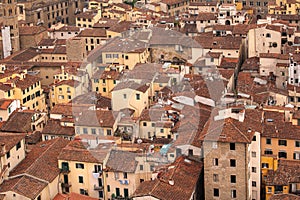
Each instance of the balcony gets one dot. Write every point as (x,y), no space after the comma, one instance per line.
(65,170)
(97,174)
(66,185)
(97,188)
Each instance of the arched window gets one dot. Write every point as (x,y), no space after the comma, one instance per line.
(9,12)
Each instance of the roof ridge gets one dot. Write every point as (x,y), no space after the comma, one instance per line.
(240,131)
(41,155)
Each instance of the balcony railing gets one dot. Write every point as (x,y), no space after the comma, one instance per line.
(98,187)
(66,185)
(97,174)
(65,170)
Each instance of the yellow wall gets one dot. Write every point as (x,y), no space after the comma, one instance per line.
(98,85)
(128,59)
(290,148)
(269,194)
(66,92)
(115,183)
(119,102)
(88,179)
(36,101)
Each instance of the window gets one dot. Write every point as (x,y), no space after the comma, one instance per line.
(232,146)
(126,193)
(8,155)
(141,167)
(254,138)
(282,154)
(265,165)
(216,192)
(144,123)
(296,156)
(216,177)
(268,141)
(18,145)
(108,188)
(79,166)
(108,132)
(233,194)
(268,152)
(253,169)
(268,35)
(80,179)
(104,89)
(125,175)
(282,142)
(232,178)
(253,153)
(117,192)
(214,145)
(215,161)
(232,162)
(253,183)
(85,131)
(297,143)
(269,190)
(152,168)
(138,96)
(124,96)
(93,131)
(83,191)
(116,175)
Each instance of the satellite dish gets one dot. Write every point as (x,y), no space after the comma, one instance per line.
(139,141)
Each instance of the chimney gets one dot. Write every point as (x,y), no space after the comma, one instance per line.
(3,148)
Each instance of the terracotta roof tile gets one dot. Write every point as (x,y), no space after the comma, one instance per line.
(284,197)
(121,161)
(5,103)
(10,140)
(78,151)
(131,85)
(92,33)
(286,173)
(31,30)
(19,122)
(185,174)
(73,196)
(24,185)
(97,118)
(54,127)
(41,161)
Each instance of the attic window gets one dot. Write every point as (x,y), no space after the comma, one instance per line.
(268,35)
(214,43)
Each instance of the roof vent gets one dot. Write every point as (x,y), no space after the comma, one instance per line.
(171,182)
(270,120)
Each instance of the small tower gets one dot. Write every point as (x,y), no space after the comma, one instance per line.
(10,19)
